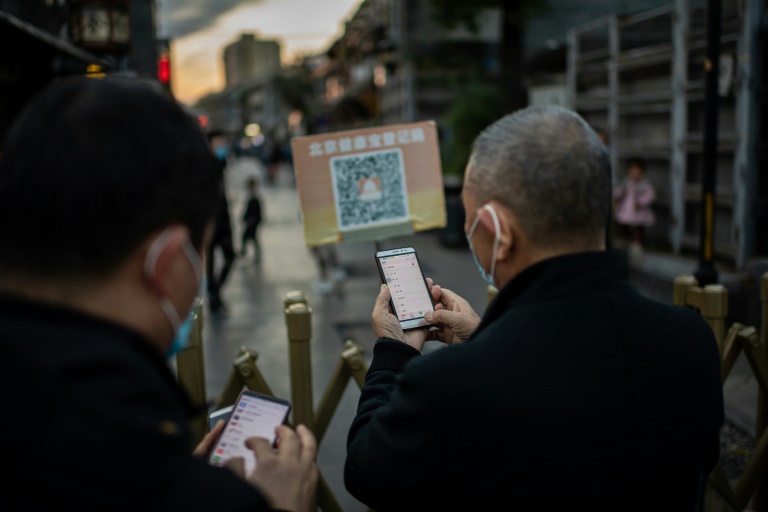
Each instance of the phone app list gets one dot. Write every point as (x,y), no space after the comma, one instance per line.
(252,417)
(406,284)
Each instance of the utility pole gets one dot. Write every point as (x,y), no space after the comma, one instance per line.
(706,273)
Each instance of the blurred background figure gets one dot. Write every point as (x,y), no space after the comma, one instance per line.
(633,198)
(252,219)
(221,243)
(332,274)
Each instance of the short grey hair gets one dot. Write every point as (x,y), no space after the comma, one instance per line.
(548,166)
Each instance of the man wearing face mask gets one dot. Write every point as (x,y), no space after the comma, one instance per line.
(90,314)
(573,392)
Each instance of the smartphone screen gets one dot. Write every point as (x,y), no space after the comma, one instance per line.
(401,271)
(221,414)
(253,415)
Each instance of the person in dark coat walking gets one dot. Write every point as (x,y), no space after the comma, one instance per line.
(92,316)
(221,253)
(573,391)
(252,217)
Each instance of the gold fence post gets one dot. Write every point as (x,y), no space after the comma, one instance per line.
(353,357)
(761,495)
(190,369)
(330,399)
(711,301)
(682,284)
(350,365)
(244,373)
(294,297)
(714,309)
(298,319)
(491,293)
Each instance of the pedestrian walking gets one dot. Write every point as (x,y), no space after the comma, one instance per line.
(252,218)
(221,247)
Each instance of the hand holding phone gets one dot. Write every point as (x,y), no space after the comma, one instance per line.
(411,299)
(253,415)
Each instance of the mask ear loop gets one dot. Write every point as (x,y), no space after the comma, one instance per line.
(150,262)
(194,260)
(496,237)
(154,252)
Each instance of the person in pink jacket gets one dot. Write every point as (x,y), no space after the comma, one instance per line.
(633,198)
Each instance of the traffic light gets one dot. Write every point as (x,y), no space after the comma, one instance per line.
(164,68)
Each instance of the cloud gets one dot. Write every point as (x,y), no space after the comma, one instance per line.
(178,18)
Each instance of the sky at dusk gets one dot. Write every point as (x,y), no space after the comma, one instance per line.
(200,29)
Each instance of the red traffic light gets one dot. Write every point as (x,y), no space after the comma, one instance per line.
(164,68)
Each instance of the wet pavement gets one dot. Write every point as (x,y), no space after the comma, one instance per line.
(254,295)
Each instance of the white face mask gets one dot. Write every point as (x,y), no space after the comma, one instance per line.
(487,276)
(181,330)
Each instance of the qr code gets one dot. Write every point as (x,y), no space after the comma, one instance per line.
(369,189)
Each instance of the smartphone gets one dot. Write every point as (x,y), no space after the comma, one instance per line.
(401,271)
(220,414)
(253,415)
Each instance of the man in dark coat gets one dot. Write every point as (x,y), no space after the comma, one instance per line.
(221,252)
(90,315)
(573,392)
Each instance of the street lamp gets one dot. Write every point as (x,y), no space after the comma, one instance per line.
(100,25)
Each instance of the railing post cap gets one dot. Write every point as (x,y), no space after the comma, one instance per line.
(297,309)
(295,297)
(686,279)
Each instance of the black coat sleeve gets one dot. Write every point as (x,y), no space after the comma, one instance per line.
(392,442)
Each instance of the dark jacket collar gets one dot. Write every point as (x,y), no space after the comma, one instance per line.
(38,317)
(560,277)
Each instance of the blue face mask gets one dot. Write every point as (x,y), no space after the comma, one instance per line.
(181,340)
(182,330)
(488,277)
(221,152)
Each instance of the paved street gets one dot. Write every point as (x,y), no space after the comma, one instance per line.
(254,295)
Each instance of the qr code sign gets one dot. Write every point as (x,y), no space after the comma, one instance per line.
(369,189)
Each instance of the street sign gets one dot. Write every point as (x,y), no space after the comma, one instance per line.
(369,184)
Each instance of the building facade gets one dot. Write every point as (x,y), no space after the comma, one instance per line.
(249,58)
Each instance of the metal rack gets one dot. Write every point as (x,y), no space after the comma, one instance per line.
(639,78)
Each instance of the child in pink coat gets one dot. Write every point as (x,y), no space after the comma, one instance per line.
(632,200)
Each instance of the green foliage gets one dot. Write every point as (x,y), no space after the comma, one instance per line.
(474,108)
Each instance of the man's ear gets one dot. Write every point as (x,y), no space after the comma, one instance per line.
(164,251)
